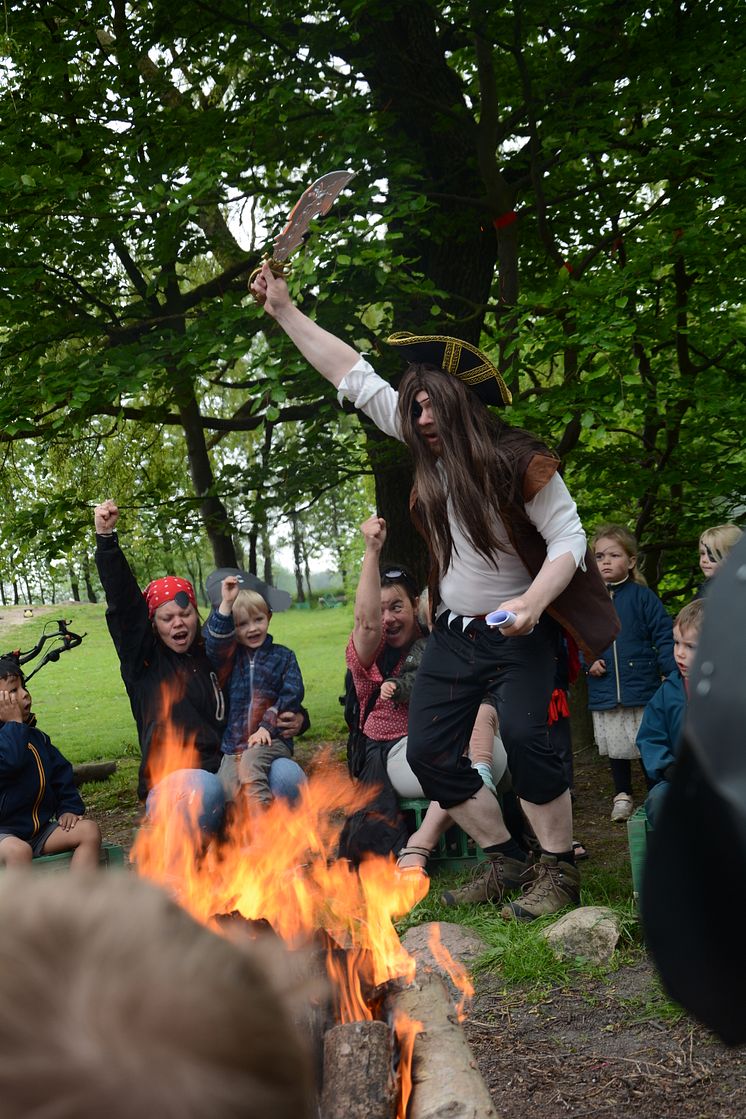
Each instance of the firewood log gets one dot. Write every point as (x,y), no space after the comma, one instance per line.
(445,1079)
(93,771)
(358,1072)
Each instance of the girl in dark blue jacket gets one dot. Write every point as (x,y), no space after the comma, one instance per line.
(630,671)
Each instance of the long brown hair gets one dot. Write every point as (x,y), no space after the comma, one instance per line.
(474,468)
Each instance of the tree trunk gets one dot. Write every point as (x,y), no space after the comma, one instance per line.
(267,553)
(213,512)
(93,771)
(306,566)
(86,565)
(74,584)
(393,480)
(297,558)
(253,539)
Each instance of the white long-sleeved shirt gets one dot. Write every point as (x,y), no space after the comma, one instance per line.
(472,586)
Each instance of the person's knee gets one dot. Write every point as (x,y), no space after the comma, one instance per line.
(88,833)
(286,778)
(195,794)
(15,852)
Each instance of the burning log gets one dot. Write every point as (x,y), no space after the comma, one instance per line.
(445,1078)
(358,1072)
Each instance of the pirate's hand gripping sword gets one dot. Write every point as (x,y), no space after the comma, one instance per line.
(315,201)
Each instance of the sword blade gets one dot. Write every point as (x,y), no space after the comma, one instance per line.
(315,201)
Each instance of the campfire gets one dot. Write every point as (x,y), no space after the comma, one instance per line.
(276,868)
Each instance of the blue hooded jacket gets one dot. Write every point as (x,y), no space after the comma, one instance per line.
(659,736)
(641,655)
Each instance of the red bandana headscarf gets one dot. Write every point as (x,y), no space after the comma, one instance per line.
(166,590)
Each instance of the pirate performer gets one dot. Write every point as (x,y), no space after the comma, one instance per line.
(504,534)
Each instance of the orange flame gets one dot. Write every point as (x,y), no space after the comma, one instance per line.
(456,971)
(406,1030)
(279,864)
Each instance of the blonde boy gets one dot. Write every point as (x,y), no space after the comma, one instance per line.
(659,737)
(263,680)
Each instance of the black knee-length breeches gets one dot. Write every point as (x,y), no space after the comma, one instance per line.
(457,669)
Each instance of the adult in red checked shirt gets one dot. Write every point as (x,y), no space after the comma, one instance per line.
(386,639)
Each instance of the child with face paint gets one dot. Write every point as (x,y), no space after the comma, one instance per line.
(714,546)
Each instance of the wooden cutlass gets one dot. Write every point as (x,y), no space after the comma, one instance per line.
(316,201)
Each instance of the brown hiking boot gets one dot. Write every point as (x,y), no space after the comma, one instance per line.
(490,881)
(554,886)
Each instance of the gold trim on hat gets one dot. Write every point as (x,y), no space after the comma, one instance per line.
(453,348)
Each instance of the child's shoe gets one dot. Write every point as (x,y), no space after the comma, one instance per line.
(622,808)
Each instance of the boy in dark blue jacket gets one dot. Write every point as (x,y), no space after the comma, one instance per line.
(659,737)
(41,812)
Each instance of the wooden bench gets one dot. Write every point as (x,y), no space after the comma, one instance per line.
(112,857)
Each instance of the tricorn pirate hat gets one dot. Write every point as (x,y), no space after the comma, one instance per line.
(276,599)
(457,357)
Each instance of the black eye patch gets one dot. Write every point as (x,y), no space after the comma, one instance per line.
(416,410)
(181,598)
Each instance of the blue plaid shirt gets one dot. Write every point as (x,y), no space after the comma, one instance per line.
(260,683)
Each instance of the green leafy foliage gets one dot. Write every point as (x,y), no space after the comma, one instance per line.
(564,186)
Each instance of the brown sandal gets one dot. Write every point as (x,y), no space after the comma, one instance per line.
(422,852)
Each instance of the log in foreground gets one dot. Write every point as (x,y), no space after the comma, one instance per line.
(358,1072)
(445,1079)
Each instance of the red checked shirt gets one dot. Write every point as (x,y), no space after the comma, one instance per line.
(387,721)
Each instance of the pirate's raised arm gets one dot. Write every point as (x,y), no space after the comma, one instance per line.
(328,354)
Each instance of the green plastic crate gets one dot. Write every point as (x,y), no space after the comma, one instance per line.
(638,828)
(112,857)
(455,849)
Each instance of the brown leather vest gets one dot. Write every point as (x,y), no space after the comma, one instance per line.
(584,609)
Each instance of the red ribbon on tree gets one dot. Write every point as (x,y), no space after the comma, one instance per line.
(505,219)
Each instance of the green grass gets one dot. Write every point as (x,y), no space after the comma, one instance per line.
(80,701)
(516,949)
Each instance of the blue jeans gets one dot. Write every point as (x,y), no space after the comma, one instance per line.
(188,791)
(285,779)
(654,800)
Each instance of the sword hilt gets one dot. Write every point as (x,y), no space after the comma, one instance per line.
(279,268)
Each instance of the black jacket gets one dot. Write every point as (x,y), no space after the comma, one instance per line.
(197,716)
